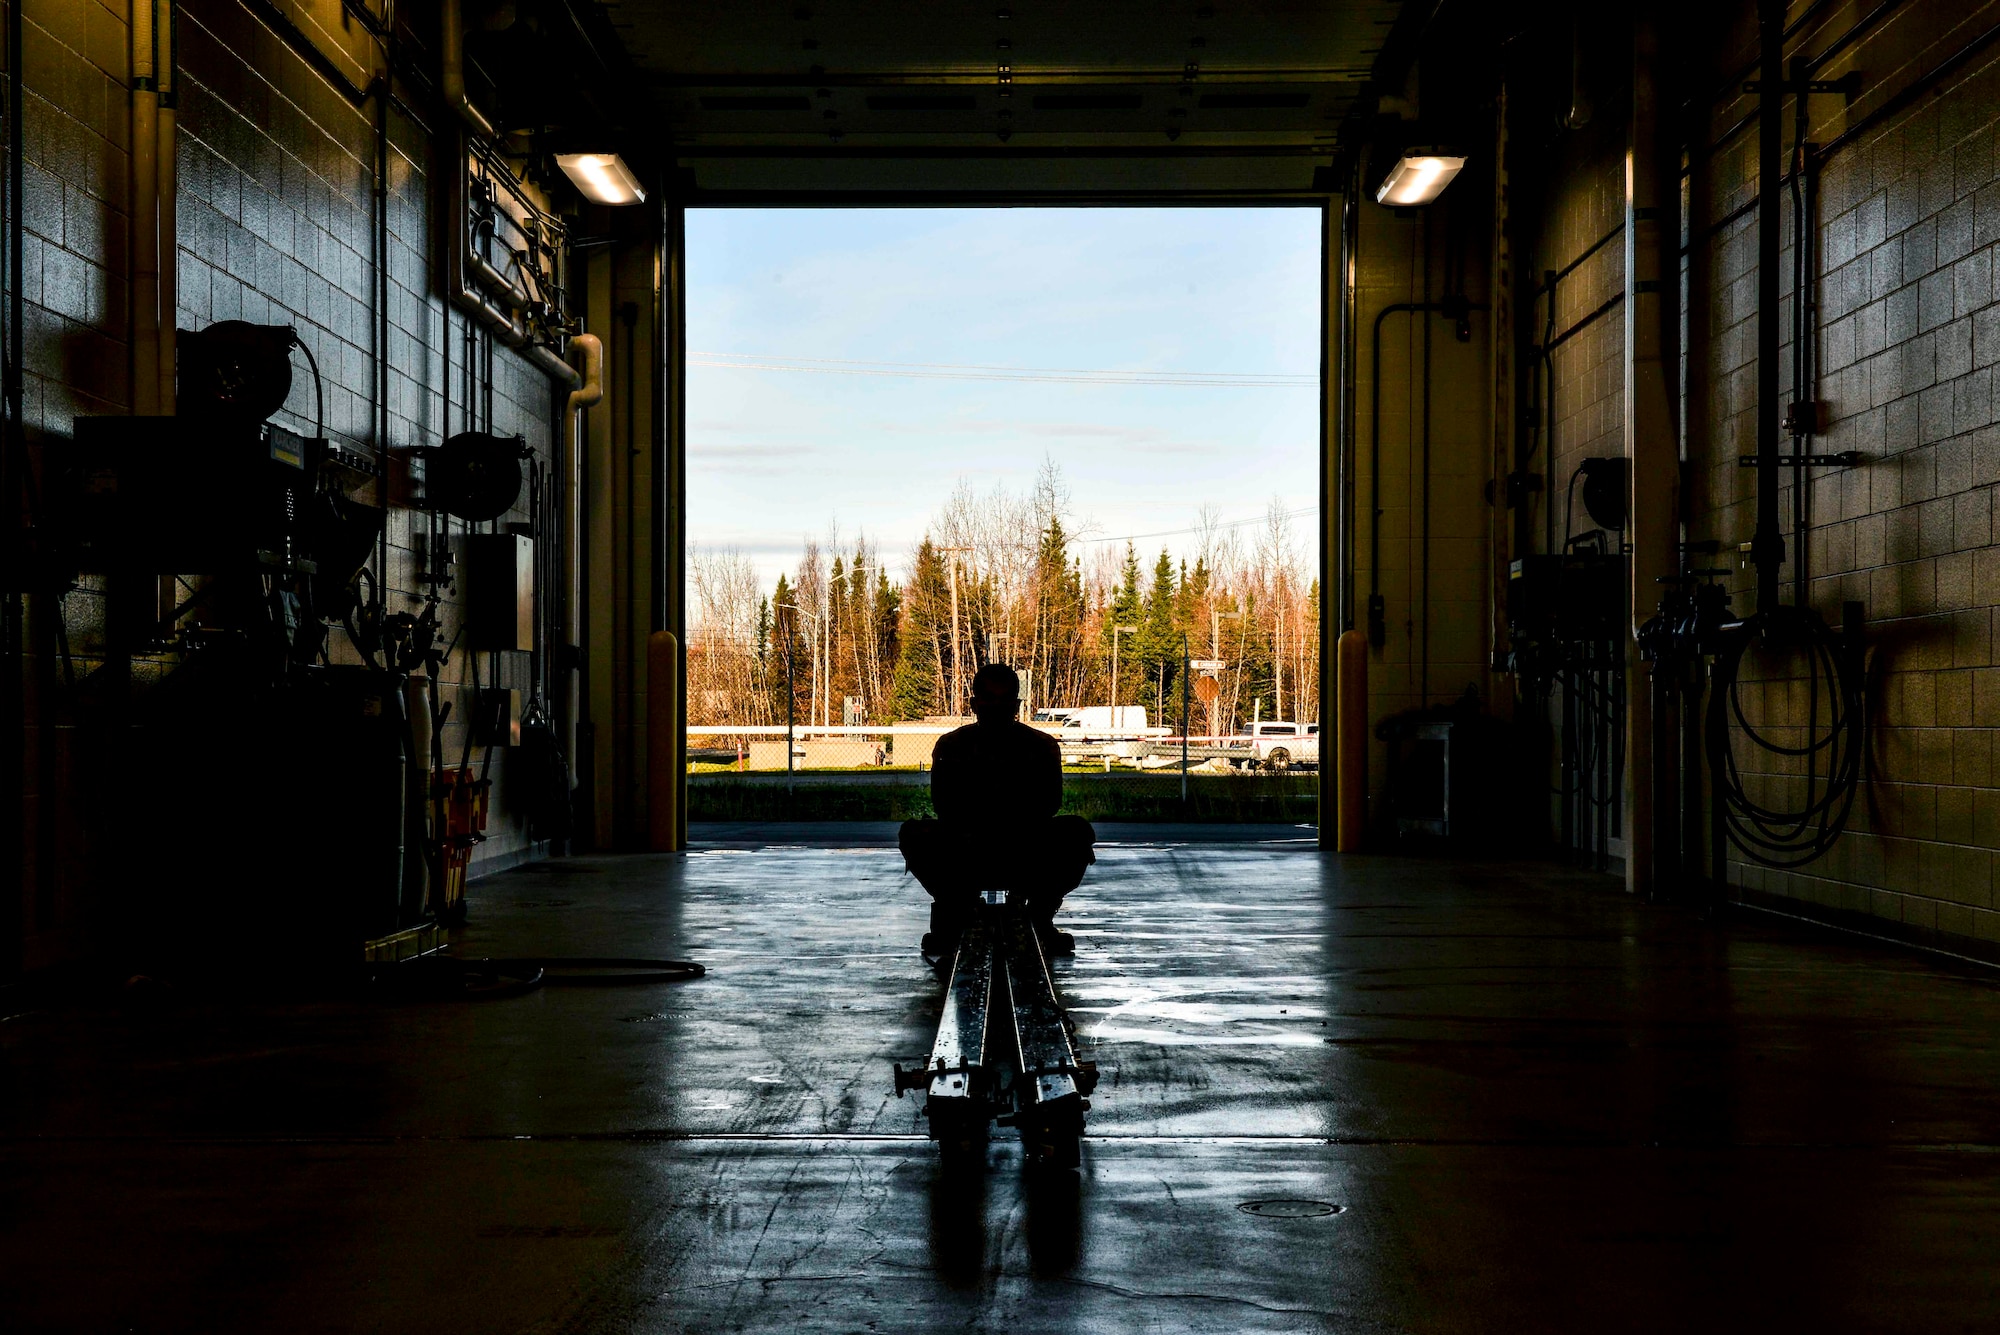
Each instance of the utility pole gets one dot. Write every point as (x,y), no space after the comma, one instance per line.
(791,692)
(957,671)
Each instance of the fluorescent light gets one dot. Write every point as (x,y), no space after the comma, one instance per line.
(602,177)
(1420,176)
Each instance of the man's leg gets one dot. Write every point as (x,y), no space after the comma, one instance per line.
(937,861)
(1062,851)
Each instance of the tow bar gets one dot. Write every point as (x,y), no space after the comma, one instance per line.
(1004,1050)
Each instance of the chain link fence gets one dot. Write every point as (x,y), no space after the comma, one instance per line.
(907,748)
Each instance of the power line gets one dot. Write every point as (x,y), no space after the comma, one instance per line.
(745,361)
(1201,528)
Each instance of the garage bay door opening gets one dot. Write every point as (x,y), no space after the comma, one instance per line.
(1079,442)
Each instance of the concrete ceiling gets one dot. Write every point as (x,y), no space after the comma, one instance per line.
(776,100)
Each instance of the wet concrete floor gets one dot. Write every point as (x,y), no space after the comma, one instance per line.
(1339,1094)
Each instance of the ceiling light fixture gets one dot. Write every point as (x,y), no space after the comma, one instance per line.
(1418,177)
(602,177)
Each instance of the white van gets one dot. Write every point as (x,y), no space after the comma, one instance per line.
(1102,720)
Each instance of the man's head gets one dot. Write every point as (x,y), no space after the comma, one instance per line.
(996,693)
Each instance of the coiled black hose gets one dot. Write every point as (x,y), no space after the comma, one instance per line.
(1830,754)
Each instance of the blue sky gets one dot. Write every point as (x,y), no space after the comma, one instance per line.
(775,456)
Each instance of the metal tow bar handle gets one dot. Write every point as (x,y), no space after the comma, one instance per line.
(1005,1050)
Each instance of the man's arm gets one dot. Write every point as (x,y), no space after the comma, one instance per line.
(947,785)
(1048,783)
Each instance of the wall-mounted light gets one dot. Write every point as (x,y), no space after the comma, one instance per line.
(1418,177)
(602,177)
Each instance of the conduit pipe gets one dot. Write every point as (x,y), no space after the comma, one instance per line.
(452,54)
(1377,609)
(1350,238)
(1500,408)
(167,191)
(1767,544)
(588,350)
(145,211)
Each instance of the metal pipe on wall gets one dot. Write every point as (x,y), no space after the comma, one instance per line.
(1767,543)
(1377,608)
(451,57)
(1500,409)
(145,131)
(492,315)
(13,680)
(1350,235)
(603,674)
(167,196)
(588,350)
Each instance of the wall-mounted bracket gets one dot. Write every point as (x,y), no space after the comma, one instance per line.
(1844,459)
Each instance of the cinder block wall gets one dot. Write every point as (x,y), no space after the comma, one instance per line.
(1902,270)
(275,226)
(1571,266)
(1395,254)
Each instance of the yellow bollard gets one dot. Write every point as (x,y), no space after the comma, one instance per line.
(1351,740)
(663,722)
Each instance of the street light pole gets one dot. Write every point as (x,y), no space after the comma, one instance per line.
(791,690)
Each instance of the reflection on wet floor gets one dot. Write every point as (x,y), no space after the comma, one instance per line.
(1354,1095)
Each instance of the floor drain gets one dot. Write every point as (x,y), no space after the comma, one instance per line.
(1290,1209)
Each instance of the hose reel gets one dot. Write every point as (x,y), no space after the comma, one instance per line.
(475,475)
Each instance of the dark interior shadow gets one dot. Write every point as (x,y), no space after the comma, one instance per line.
(958,1224)
(1054,1221)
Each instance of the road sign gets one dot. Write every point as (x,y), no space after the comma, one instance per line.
(1206,689)
(1207,664)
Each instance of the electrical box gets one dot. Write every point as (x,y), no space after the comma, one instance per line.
(1561,599)
(500,592)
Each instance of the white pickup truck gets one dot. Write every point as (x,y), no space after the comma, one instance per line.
(1280,745)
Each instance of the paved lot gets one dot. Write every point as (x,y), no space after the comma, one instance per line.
(1533,1104)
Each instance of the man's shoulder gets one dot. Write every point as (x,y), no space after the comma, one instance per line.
(955,740)
(1027,736)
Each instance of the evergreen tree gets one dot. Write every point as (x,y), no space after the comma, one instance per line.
(1157,646)
(760,671)
(791,658)
(921,660)
(888,613)
(1058,645)
(1127,608)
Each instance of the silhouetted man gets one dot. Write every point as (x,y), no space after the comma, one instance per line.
(996,785)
